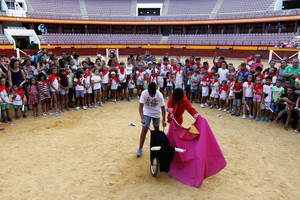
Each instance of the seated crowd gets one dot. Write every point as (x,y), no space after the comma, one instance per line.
(44,80)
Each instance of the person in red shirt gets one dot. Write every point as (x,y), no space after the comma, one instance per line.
(177,104)
(250,59)
(257,63)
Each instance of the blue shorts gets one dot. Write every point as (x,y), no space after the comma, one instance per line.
(79,93)
(274,107)
(97,90)
(247,99)
(169,87)
(194,90)
(130,90)
(139,82)
(256,99)
(155,121)
(104,84)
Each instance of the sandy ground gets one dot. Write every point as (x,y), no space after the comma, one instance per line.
(91,155)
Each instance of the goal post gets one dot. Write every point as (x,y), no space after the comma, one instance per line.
(273,54)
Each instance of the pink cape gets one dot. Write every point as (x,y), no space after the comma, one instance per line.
(203,156)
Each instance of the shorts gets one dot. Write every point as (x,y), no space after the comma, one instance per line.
(130,90)
(79,93)
(248,99)
(223,97)
(265,105)
(155,121)
(214,95)
(97,90)
(89,91)
(63,91)
(5,106)
(231,94)
(275,108)
(256,99)
(194,90)
(169,87)
(161,84)
(205,91)
(237,102)
(178,85)
(17,106)
(139,82)
(187,88)
(104,84)
(123,85)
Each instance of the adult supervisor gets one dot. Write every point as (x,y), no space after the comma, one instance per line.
(152,105)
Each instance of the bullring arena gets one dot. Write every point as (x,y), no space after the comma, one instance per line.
(91,154)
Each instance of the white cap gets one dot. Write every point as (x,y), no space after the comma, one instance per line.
(113,73)
(74,67)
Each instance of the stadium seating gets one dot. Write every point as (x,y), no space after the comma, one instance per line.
(211,39)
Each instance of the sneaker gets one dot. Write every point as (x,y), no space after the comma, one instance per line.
(90,106)
(139,152)
(95,106)
(206,104)
(220,109)
(44,114)
(128,99)
(17,117)
(211,107)
(225,110)
(56,114)
(202,105)
(244,116)
(138,97)
(77,108)
(251,116)
(262,119)
(9,119)
(237,114)
(84,107)
(257,118)
(232,113)
(101,104)
(266,119)
(49,113)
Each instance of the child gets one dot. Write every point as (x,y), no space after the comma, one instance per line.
(70,76)
(193,82)
(113,81)
(205,89)
(160,79)
(257,97)
(153,77)
(5,105)
(179,76)
(122,80)
(18,101)
(231,81)
(79,90)
(277,92)
(96,82)
(88,88)
(139,81)
(33,96)
(1,102)
(170,83)
(44,90)
(248,96)
(54,88)
(130,87)
(64,90)
(215,92)
(223,95)
(238,95)
(267,99)
(105,81)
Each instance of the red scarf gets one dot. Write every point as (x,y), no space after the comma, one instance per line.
(3,87)
(86,75)
(52,77)
(261,75)
(122,70)
(44,82)
(178,70)
(272,74)
(68,73)
(79,80)
(90,69)
(238,86)
(20,92)
(211,74)
(113,78)
(188,66)
(215,81)
(249,83)
(198,65)
(140,71)
(153,77)
(174,67)
(117,64)
(192,62)
(170,78)
(205,79)
(223,88)
(104,72)
(258,86)
(146,79)
(165,64)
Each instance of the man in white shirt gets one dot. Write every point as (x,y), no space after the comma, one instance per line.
(152,105)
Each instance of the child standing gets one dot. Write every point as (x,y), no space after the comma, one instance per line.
(179,76)
(33,96)
(231,81)
(215,92)
(88,88)
(223,95)
(267,99)
(54,88)
(248,96)
(5,105)
(238,95)
(18,101)
(160,79)
(96,82)
(170,84)
(277,91)
(139,81)
(130,87)
(79,90)
(64,90)
(44,90)
(193,82)
(146,81)
(105,81)
(257,97)
(113,81)
(122,80)
(153,77)
(205,89)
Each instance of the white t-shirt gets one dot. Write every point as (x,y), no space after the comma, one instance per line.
(140,75)
(122,77)
(105,78)
(96,78)
(178,77)
(18,100)
(248,89)
(267,89)
(223,74)
(152,105)
(128,69)
(148,71)
(165,70)
(79,87)
(4,96)
(114,84)
(131,83)
(53,85)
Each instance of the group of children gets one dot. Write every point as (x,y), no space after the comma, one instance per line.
(264,95)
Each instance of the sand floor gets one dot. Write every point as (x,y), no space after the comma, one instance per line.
(90,155)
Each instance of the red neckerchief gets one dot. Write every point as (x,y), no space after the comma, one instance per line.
(113,70)
(3,87)
(117,64)
(238,86)
(211,74)
(104,72)
(178,70)
(170,78)
(113,78)
(44,82)
(174,67)
(258,86)
(230,82)
(261,75)
(192,62)
(68,73)
(90,69)
(249,83)
(205,79)
(146,79)
(87,75)
(272,74)
(122,70)
(188,66)
(52,77)
(207,65)
(153,77)
(190,74)
(244,71)
(198,65)
(140,71)
(223,88)
(20,92)
(216,80)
